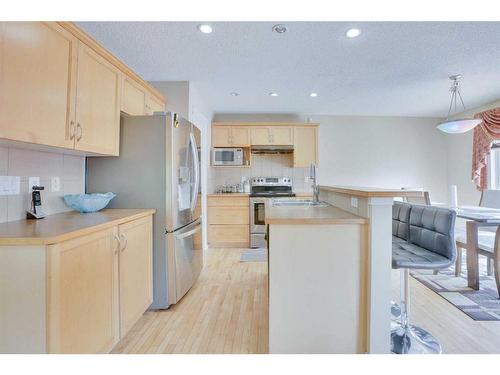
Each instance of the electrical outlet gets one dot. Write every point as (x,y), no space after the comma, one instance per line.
(354,202)
(55,184)
(33,181)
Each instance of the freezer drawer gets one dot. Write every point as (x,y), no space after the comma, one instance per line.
(185,259)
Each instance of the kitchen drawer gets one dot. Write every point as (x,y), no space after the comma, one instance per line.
(233,201)
(237,235)
(228,215)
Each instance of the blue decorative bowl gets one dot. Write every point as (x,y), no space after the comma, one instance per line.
(85,203)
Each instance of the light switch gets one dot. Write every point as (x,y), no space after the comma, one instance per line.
(55,184)
(33,181)
(354,202)
(10,185)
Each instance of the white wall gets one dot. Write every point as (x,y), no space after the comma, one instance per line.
(45,165)
(459,154)
(390,152)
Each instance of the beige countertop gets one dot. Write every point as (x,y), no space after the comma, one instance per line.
(309,215)
(372,192)
(65,226)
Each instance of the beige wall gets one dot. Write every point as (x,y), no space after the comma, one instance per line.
(28,163)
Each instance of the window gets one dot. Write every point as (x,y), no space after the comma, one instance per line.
(494,167)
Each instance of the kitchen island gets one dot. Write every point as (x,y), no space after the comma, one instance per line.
(330,272)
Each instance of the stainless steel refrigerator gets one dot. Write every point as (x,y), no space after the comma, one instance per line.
(159,167)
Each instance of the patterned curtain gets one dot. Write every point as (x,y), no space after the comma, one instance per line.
(484,135)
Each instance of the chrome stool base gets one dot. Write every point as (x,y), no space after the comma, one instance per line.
(413,340)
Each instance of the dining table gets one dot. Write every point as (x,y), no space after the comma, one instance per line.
(476,217)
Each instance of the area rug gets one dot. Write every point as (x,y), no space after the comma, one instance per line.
(482,304)
(254,255)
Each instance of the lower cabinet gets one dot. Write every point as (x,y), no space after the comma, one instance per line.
(80,295)
(136,273)
(82,300)
(228,219)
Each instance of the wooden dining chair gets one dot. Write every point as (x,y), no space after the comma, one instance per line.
(487,238)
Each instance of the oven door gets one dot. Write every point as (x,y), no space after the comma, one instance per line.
(257,215)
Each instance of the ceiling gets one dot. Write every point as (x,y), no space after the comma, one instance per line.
(391,69)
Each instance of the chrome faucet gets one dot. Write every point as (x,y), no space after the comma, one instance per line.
(315,186)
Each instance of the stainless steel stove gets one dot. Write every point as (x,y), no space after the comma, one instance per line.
(262,188)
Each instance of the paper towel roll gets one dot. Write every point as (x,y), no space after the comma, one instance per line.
(453,196)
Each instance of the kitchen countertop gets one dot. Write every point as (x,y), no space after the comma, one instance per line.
(372,192)
(300,194)
(64,226)
(282,215)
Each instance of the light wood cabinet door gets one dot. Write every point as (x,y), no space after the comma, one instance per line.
(305,149)
(229,234)
(221,136)
(228,215)
(228,201)
(83,294)
(136,272)
(153,105)
(261,136)
(97,104)
(37,83)
(240,136)
(133,98)
(282,135)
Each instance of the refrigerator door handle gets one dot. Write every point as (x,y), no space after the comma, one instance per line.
(194,149)
(189,233)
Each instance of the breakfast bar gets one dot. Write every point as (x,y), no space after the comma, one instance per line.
(330,272)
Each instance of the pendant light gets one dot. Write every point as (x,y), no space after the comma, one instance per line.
(457,126)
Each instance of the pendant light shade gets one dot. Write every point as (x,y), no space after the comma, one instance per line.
(457,126)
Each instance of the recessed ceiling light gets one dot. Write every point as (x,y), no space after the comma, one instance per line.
(353,33)
(273,94)
(234,94)
(313,94)
(279,28)
(205,29)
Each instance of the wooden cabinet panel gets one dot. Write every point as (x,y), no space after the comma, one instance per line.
(260,136)
(97,104)
(305,146)
(83,294)
(133,98)
(228,215)
(228,234)
(232,201)
(136,273)
(221,136)
(281,135)
(153,105)
(37,83)
(240,136)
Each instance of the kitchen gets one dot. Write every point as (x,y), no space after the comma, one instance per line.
(235,214)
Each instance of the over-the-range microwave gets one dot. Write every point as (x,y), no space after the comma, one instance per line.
(227,156)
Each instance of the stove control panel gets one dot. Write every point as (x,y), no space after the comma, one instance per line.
(271,181)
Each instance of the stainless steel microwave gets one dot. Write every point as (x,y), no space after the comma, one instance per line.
(227,156)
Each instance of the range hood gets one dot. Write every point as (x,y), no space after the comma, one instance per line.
(272,149)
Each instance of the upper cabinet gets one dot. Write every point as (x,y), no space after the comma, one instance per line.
(38,64)
(305,146)
(97,104)
(272,135)
(230,136)
(59,88)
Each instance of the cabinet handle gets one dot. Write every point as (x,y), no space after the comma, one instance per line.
(125,242)
(119,243)
(79,134)
(71,130)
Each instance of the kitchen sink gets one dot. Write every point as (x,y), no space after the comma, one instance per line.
(298,203)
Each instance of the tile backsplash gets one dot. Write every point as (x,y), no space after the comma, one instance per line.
(28,163)
(265,165)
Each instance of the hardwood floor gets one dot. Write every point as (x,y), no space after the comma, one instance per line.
(226,312)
